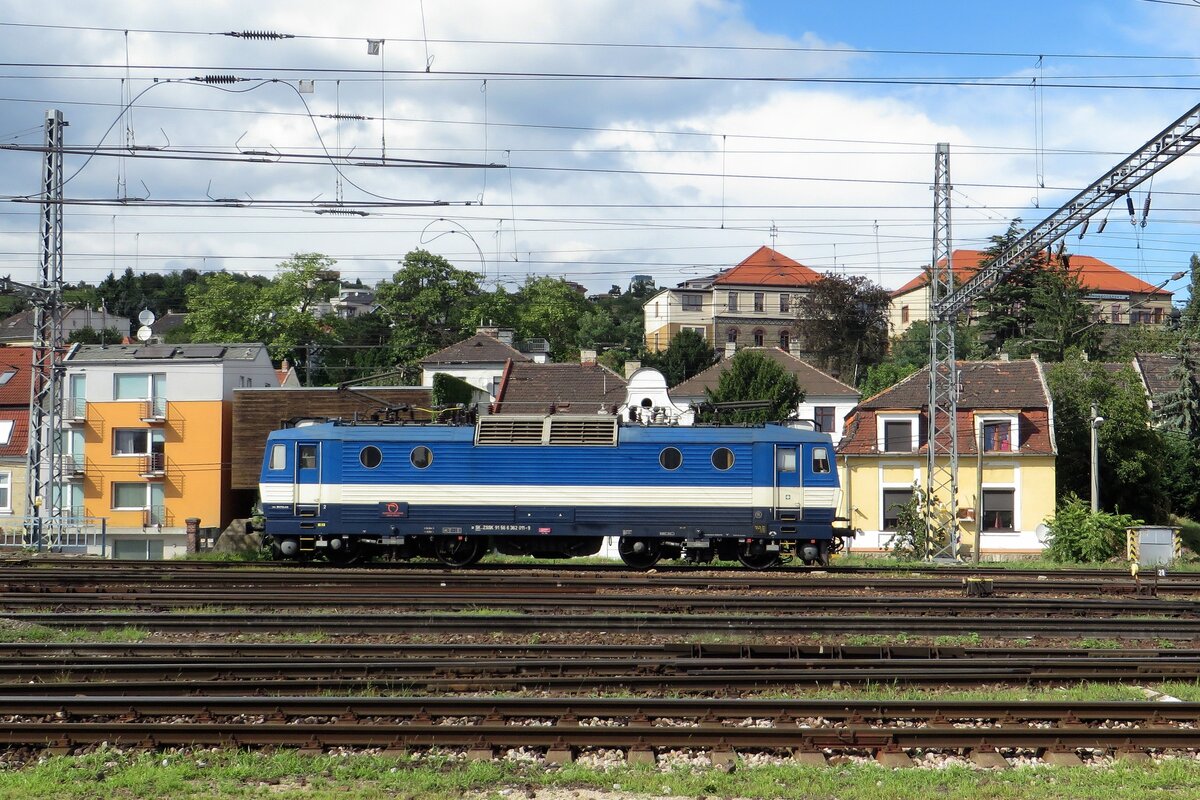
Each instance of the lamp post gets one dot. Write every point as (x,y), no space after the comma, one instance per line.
(1096,422)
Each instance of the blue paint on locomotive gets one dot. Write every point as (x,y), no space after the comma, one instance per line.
(570,490)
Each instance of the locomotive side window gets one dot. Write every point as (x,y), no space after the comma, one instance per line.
(370,457)
(785,459)
(820,460)
(306,456)
(278,456)
(722,458)
(670,458)
(421,457)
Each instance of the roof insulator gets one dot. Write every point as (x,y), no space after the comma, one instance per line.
(215,79)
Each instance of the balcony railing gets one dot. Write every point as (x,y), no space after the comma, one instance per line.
(73,465)
(154,465)
(155,516)
(74,409)
(154,409)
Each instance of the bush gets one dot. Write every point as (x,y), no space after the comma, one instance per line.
(1077,534)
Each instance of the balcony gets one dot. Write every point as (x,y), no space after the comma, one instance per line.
(154,410)
(155,517)
(72,465)
(154,465)
(74,410)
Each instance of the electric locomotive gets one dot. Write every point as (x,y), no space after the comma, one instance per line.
(551,486)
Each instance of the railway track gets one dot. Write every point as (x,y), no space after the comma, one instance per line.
(563,726)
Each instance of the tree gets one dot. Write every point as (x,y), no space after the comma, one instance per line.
(753,376)
(223,309)
(1189,320)
(1131,470)
(550,308)
(89,335)
(1059,315)
(1006,310)
(429,303)
(843,321)
(687,355)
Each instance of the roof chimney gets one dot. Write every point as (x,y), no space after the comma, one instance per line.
(631,367)
(587,356)
(285,365)
(505,335)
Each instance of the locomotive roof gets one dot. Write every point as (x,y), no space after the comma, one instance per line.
(433,432)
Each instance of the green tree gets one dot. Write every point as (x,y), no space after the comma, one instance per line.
(1131,472)
(843,321)
(687,355)
(550,308)
(222,308)
(430,304)
(89,335)
(1005,312)
(1059,314)
(1079,535)
(1189,320)
(752,376)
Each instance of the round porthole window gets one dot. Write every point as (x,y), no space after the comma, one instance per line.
(670,458)
(370,457)
(722,458)
(421,457)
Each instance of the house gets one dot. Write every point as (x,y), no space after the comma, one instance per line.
(1158,375)
(1006,490)
(15,367)
(18,329)
(165,324)
(479,360)
(147,435)
(1115,296)
(584,388)
(826,399)
(752,304)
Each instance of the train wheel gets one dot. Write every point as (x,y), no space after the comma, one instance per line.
(454,551)
(639,553)
(753,556)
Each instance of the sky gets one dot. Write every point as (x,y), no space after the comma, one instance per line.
(593,140)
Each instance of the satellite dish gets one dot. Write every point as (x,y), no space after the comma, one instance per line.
(146,317)
(1042,532)
(144,333)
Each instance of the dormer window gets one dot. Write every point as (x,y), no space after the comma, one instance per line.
(997,433)
(897,433)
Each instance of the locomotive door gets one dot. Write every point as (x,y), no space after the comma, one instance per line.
(307,487)
(788,491)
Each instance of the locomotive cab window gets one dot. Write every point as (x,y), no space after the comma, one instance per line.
(785,459)
(278,456)
(370,457)
(421,457)
(722,458)
(670,458)
(820,460)
(306,456)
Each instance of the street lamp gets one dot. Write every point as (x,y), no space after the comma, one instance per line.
(1096,422)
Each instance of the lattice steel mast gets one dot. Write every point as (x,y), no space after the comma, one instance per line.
(1174,141)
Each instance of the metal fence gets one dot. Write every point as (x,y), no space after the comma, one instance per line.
(70,534)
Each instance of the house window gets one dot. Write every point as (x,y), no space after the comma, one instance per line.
(733,301)
(897,437)
(759,337)
(785,303)
(731,335)
(6,429)
(139,385)
(894,500)
(692,302)
(904,313)
(997,436)
(1116,313)
(760,301)
(6,492)
(137,442)
(785,341)
(998,509)
(129,496)
(699,331)
(1158,316)
(823,417)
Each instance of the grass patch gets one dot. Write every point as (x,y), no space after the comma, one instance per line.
(236,774)
(880,692)
(262,554)
(1089,643)
(972,639)
(21,632)
(482,611)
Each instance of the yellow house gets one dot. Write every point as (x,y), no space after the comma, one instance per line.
(1006,458)
(147,435)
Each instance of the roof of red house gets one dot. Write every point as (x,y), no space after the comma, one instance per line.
(767,267)
(1093,273)
(531,388)
(14,390)
(18,440)
(477,349)
(813,381)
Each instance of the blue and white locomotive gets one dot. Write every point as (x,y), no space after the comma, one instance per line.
(551,486)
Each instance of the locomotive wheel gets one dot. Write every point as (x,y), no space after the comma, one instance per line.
(455,552)
(756,559)
(639,553)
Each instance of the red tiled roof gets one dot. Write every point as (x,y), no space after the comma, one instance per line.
(477,349)
(530,388)
(767,267)
(15,391)
(18,442)
(813,381)
(1093,274)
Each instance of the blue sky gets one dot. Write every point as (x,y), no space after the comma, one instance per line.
(601,178)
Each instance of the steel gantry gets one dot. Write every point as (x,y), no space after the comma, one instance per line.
(1163,148)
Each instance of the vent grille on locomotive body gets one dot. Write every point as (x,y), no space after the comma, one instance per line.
(551,486)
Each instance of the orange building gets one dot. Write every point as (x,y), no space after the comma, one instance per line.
(147,438)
